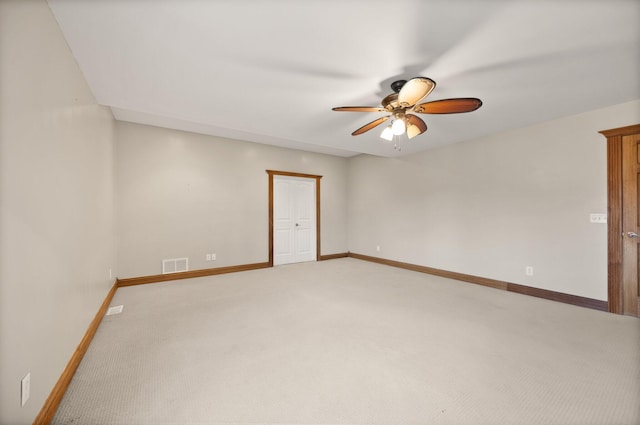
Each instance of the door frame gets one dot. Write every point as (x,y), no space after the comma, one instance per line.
(614,213)
(317,178)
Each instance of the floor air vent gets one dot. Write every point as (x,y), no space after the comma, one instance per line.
(175,265)
(115,310)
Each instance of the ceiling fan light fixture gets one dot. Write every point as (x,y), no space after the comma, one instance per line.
(413,131)
(387,133)
(398,127)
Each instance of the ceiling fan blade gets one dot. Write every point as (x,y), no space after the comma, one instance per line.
(414,90)
(449,106)
(415,126)
(369,126)
(359,109)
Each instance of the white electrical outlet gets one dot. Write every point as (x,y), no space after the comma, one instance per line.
(378,248)
(213,257)
(110,274)
(528,271)
(208,257)
(598,218)
(25,390)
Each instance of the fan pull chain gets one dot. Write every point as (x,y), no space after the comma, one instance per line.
(396,143)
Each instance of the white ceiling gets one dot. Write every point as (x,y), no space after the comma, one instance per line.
(270,71)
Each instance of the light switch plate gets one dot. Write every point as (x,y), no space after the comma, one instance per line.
(598,218)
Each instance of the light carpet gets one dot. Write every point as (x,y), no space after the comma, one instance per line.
(351,342)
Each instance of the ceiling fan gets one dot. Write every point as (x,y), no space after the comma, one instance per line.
(402,102)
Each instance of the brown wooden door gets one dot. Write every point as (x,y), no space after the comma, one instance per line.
(630,224)
(622,201)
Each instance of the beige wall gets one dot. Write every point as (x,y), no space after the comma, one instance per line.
(487,207)
(185,195)
(56,214)
(492,206)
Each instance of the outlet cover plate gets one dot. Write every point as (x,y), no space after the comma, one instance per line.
(25,390)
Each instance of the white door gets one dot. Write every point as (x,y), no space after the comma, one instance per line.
(294,220)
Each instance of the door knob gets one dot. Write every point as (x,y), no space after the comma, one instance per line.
(632,234)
